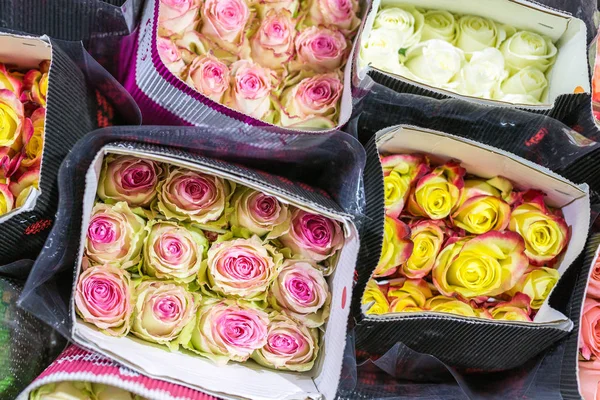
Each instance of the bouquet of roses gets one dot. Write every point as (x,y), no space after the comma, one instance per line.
(466,54)
(183,258)
(462,244)
(22,119)
(277,61)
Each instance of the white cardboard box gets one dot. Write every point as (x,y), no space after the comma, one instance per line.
(235,380)
(570,71)
(488,162)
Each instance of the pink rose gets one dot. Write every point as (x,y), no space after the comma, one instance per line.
(229,331)
(178,16)
(589,334)
(130,179)
(170,55)
(7,200)
(252,85)
(264,6)
(103,298)
(209,76)
(312,103)
(241,267)
(301,290)
(313,236)
(225,19)
(321,49)
(340,13)
(589,379)
(593,289)
(273,43)
(259,213)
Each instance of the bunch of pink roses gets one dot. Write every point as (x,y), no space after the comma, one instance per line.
(279,61)
(22,119)
(589,339)
(183,258)
(461,244)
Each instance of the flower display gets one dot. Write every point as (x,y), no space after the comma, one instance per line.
(461,244)
(190,260)
(466,54)
(277,61)
(23,95)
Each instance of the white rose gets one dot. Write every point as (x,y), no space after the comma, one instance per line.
(439,25)
(528,49)
(404,24)
(478,33)
(529,82)
(380,51)
(482,76)
(435,62)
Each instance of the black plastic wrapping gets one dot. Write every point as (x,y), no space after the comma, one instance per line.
(332,163)
(80,92)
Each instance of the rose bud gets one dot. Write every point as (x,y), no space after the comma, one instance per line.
(265,6)
(259,213)
(273,43)
(546,233)
(593,289)
(130,179)
(290,346)
(589,380)
(209,76)
(321,49)
(374,301)
(34,145)
(173,251)
(28,182)
(190,195)
(396,248)
(64,390)
(178,16)
(225,19)
(107,392)
(12,118)
(226,330)
(103,298)
(589,337)
(339,13)
(481,214)
(411,296)
(170,55)
(35,87)
(537,284)
(313,236)
(115,236)
(7,200)
(302,292)
(485,266)
(312,103)
(242,267)
(251,89)
(427,237)
(400,172)
(515,310)
(450,305)
(161,311)
(437,193)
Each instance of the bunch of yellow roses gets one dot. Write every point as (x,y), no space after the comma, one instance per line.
(462,244)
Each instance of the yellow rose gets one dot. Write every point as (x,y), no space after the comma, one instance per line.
(396,247)
(498,187)
(22,188)
(537,284)
(35,145)
(427,237)
(11,118)
(374,296)
(482,214)
(9,81)
(410,296)
(400,171)
(437,193)
(480,267)
(450,305)
(6,199)
(515,310)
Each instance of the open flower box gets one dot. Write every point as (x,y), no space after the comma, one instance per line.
(186,367)
(480,78)
(465,341)
(179,54)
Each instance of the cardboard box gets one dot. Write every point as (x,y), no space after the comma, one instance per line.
(568,75)
(251,380)
(515,341)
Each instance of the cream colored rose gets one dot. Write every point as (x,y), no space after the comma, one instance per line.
(404,25)
(528,49)
(435,62)
(527,86)
(482,76)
